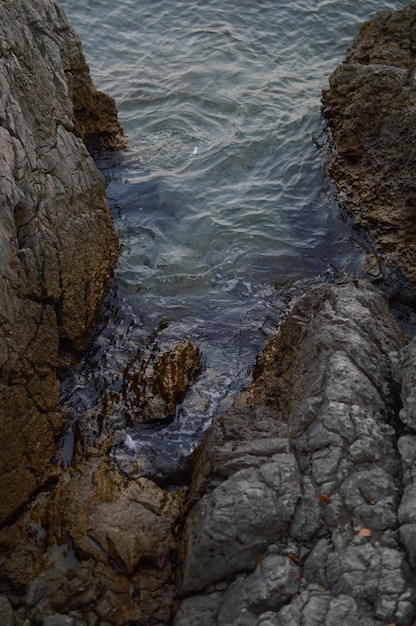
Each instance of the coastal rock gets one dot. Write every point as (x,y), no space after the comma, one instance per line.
(99,549)
(406,376)
(293,507)
(153,386)
(370,108)
(57,241)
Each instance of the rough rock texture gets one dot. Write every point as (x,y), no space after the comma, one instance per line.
(370,108)
(293,509)
(155,385)
(99,550)
(57,242)
(406,374)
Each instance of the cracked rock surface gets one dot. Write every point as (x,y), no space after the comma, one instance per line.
(57,241)
(296,500)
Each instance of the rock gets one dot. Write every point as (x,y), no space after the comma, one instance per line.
(406,374)
(304,529)
(98,549)
(370,111)
(58,244)
(59,620)
(6,612)
(155,384)
(234,524)
(271,585)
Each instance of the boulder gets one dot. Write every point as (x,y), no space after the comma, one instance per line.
(98,549)
(57,240)
(370,109)
(292,513)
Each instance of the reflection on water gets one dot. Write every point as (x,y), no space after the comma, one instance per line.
(227,210)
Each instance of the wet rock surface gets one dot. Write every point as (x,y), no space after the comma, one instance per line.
(153,387)
(57,241)
(296,502)
(370,108)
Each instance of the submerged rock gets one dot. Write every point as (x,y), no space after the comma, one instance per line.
(293,508)
(57,241)
(370,108)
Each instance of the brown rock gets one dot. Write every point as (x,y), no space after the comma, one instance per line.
(161,382)
(98,545)
(370,108)
(57,240)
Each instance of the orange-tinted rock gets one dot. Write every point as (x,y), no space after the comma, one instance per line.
(98,547)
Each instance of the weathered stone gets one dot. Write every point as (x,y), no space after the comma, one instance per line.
(200,610)
(269,587)
(57,241)
(406,369)
(152,391)
(97,544)
(59,620)
(6,612)
(233,524)
(370,108)
(328,526)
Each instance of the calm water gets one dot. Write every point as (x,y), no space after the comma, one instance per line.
(227,209)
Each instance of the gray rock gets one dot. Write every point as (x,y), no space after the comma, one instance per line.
(407,508)
(314,529)
(269,587)
(200,610)
(233,524)
(6,612)
(407,374)
(60,620)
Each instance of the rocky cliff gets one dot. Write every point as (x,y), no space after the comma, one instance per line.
(57,241)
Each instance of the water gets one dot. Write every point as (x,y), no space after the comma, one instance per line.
(222,202)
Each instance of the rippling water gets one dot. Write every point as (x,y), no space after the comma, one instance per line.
(228,207)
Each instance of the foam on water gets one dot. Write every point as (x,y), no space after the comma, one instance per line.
(227,208)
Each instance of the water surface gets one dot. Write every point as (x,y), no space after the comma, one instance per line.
(222,202)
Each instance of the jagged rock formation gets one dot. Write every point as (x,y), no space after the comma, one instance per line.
(370,108)
(58,243)
(293,508)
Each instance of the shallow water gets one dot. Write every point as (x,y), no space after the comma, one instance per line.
(222,202)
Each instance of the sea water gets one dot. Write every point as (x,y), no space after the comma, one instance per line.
(222,202)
